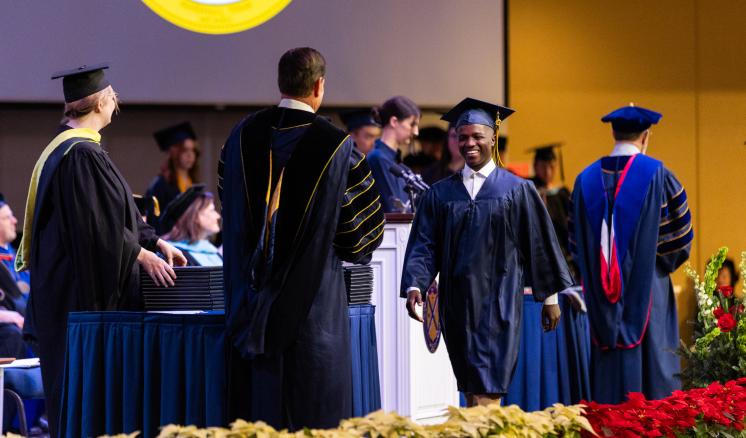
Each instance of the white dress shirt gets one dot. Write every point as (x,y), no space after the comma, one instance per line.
(622,149)
(295,104)
(473,181)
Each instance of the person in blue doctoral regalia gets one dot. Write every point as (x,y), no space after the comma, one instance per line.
(297,199)
(82,234)
(399,118)
(487,233)
(632,228)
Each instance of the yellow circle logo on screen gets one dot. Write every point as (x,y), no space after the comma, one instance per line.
(216,16)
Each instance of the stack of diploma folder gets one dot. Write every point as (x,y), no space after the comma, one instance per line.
(359,284)
(195,288)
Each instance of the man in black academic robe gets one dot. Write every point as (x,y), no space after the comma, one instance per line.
(487,233)
(297,199)
(82,231)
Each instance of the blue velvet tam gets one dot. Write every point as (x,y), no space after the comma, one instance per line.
(476,112)
(632,118)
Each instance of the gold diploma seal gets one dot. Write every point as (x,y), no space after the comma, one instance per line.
(216,16)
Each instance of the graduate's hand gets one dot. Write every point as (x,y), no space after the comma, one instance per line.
(550,316)
(157,268)
(173,256)
(414,298)
(11,317)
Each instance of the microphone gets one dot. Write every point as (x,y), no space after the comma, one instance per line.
(410,177)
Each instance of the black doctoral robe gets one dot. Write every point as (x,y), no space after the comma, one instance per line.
(297,199)
(84,241)
(486,250)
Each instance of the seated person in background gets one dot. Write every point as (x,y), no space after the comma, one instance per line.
(363,129)
(191,219)
(728,275)
(14,289)
(450,162)
(432,141)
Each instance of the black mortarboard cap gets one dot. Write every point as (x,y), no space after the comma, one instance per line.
(631,118)
(432,134)
(179,206)
(358,118)
(83,81)
(476,112)
(546,152)
(172,135)
(145,205)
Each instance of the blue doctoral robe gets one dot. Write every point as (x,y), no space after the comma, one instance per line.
(634,339)
(389,186)
(297,199)
(486,250)
(199,253)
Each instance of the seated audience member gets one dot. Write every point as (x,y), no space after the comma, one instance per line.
(728,274)
(432,141)
(191,219)
(14,289)
(450,162)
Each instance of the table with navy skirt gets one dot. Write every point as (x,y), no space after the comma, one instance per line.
(553,367)
(128,371)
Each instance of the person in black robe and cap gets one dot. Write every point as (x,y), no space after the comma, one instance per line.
(180,169)
(487,234)
(83,236)
(363,128)
(297,199)
(557,198)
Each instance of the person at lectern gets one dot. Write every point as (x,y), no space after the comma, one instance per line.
(399,118)
(297,199)
(488,234)
(83,236)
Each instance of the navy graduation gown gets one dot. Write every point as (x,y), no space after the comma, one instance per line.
(634,327)
(165,192)
(486,250)
(297,199)
(86,235)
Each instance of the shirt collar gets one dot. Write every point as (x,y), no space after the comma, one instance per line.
(385,149)
(295,104)
(624,149)
(485,171)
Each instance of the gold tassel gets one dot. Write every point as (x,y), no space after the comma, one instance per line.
(495,151)
(156,207)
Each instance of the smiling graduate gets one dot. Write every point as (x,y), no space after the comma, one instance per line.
(488,234)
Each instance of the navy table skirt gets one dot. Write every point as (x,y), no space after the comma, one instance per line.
(128,371)
(552,367)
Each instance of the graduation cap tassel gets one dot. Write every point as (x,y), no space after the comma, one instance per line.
(495,148)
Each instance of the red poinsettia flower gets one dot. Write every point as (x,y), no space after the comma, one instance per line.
(726,291)
(726,323)
(718,312)
(735,309)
